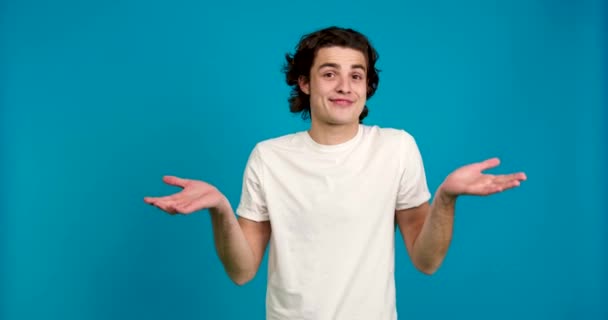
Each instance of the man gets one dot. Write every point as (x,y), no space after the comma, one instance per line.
(328,199)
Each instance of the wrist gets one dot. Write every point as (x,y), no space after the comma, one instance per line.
(445,198)
(223,206)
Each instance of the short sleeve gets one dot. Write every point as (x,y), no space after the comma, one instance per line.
(413,188)
(253,199)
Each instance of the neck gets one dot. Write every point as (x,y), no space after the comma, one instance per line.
(328,134)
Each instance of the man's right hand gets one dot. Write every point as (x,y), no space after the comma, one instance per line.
(240,244)
(195,195)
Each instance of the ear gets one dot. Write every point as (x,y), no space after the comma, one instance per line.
(304,84)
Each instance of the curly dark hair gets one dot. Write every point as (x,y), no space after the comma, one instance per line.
(300,63)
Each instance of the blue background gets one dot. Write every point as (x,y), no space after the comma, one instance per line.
(99,99)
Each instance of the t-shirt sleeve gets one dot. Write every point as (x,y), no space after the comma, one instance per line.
(413,189)
(253,199)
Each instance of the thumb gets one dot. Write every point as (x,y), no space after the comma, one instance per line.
(175,181)
(489,163)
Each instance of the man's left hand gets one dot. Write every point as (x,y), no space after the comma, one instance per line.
(470,180)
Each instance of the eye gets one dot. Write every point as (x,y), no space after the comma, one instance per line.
(329,75)
(357,76)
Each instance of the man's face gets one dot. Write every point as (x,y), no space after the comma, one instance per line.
(337,86)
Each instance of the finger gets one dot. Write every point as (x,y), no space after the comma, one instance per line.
(489,163)
(517,176)
(181,201)
(152,200)
(502,179)
(161,206)
(520,176)
(167,207)
(176,181)
(502,183)
(510,178)
(493,189)
(507,185)
(174,198)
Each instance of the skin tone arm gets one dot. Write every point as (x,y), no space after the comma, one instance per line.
(427,229)
(240,243)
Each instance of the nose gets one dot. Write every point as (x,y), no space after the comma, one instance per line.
(344,85)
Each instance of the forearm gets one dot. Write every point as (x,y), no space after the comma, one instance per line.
(232,247)
(431,245)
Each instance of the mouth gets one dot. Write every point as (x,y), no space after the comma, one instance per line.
(341,102)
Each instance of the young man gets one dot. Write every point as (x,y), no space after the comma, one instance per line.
(328,199)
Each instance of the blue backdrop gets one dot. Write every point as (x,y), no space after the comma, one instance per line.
(99,99)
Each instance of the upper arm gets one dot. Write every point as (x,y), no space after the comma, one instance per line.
(410,222)
(257,235)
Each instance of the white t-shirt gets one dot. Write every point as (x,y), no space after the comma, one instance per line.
(332,215)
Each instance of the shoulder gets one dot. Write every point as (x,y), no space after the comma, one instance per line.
(394,135)
(284,142)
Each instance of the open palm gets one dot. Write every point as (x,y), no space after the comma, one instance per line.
(470,180)
(195,195)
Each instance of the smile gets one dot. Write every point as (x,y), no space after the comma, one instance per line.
(341,102)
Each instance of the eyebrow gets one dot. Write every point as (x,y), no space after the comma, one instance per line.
(335,65)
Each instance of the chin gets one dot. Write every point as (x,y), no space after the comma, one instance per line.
(343,122)
(344,119)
